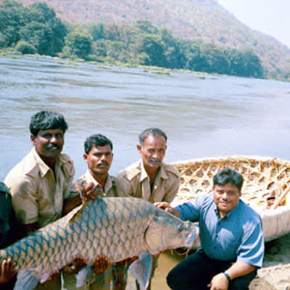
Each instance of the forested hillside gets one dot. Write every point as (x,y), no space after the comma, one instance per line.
(199,21)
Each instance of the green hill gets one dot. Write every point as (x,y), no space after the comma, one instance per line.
(201,20)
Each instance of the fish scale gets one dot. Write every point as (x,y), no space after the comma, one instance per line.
(115,228)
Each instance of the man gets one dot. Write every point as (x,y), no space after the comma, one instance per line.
(40,184)
(232,243)
(99,156)
(150,178)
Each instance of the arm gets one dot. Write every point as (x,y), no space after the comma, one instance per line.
(87,191)
(166,206)
(70,203)
(249,255)
(238,269)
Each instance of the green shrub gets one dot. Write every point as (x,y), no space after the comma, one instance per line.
(25,47)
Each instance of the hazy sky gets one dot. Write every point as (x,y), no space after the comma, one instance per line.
(269,16)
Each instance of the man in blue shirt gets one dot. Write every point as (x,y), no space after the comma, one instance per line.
(232,243)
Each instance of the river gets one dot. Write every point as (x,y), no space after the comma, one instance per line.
(203,115)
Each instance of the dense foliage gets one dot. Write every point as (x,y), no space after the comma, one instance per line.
(36,29)
(37,25)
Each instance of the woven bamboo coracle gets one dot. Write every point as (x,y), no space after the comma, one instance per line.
(266,180)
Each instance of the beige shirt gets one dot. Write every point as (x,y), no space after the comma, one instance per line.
(109,189)
(135,182)
(38,195)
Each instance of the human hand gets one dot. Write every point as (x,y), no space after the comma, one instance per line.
(7,271)
(88,190)
(166,206)
(219,282)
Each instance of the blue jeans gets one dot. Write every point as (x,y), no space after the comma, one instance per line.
(196,271)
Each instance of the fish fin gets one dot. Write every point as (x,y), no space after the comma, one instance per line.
(77,212)
(26,280)
(82,275)
(141,269)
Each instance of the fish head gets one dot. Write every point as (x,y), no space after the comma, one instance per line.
(169,232)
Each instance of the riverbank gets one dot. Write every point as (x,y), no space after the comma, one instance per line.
(107,64)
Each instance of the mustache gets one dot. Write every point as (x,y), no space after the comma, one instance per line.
(153,160)
(103,163)
(52,146)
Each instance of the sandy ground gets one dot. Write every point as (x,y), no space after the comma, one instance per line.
(275,274)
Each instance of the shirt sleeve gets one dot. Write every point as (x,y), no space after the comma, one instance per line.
(172,191)
(191,210)
(24,201)
(69,189)
(251,250)
(124,187)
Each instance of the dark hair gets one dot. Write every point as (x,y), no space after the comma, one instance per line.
(228,175)
(3,187)
(45,120)
(97,140)
(151,132)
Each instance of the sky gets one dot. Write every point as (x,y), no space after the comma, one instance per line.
(269,16)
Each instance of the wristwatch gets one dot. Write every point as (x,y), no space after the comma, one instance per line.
(227,276)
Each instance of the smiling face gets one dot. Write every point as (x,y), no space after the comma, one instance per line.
(226,197)
(48,143)
(152,151)
(99,160)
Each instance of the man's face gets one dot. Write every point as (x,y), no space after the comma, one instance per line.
(48,143)
(152,151)
(99,160)
(226,197)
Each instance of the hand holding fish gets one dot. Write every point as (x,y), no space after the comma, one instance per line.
(6,271)
(166,206)
(88,190)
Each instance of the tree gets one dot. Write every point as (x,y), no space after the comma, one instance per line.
(173,50)
(50,33)
(97,31)
(79,44)
(12,18)
(151,46)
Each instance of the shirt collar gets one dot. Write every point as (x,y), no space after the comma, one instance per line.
(161,173)
(43,168)
(108,184)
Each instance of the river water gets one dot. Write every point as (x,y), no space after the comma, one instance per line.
(203,115)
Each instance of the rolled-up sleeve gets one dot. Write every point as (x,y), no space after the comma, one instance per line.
(191,210)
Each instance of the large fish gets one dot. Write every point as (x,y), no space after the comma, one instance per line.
(110,228)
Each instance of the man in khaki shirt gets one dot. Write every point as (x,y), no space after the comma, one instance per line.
(99,156)
(40,184)
(150,178)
